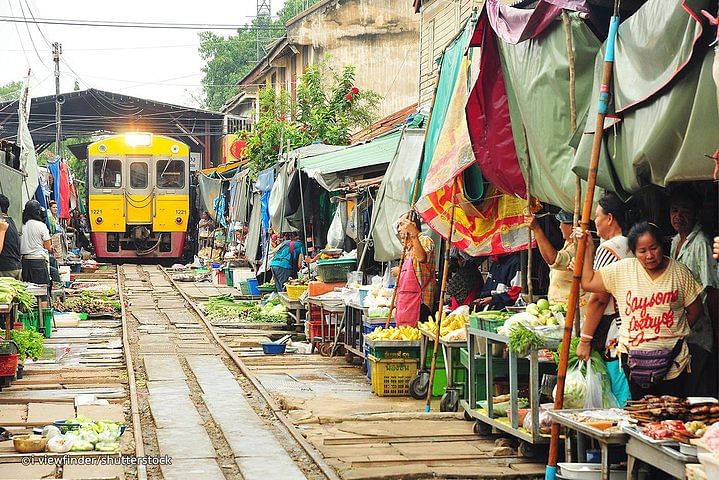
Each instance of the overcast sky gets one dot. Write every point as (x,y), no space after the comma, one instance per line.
(157,64)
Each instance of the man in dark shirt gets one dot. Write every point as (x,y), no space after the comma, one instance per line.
(502,286)
(10,263)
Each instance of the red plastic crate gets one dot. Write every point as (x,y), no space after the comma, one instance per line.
(316,330)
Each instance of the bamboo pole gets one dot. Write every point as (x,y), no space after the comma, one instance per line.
(605,88)
(573,125)
(443,290)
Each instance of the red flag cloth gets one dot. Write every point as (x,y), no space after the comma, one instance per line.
(487,111)
(64,204)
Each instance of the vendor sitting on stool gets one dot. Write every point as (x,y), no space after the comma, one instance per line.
(503,282)
(415,286)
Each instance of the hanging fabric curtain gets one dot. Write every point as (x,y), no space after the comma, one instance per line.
(495,225)
(210,189)
(278,200)
(28,158)
(661,127)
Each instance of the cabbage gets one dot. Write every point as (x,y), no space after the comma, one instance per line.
(107,446)
(60,444)
(81,446)
(88,436)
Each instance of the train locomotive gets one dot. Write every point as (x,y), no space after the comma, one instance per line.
(138,196)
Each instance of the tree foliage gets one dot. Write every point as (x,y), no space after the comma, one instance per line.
(328,109)
(229,59)
(10,91)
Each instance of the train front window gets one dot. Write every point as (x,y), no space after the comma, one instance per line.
(106,173)
(138,175)
(170,174)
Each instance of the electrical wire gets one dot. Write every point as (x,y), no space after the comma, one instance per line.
(124,24)
(19,37)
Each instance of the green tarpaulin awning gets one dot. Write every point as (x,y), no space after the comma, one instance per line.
(325,167)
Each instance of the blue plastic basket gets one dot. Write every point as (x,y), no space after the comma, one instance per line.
(270,348)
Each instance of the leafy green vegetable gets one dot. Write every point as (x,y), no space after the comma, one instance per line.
(523,340)
(29,343)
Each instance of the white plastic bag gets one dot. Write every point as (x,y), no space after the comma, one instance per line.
(595,389)
(336,233)
(575,388)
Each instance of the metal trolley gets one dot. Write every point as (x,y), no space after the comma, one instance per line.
(484,417)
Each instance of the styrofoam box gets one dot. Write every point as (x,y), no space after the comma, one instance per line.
(588,471)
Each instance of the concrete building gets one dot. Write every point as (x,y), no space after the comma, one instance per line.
(379,37)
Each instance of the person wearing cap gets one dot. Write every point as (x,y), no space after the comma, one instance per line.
(561,261)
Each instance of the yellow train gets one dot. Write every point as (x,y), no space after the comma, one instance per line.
(138,196)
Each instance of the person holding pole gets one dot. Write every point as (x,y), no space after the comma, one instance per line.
(415,288)
(659,301)
(602,320)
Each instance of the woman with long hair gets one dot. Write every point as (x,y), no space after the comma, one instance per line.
(35,244)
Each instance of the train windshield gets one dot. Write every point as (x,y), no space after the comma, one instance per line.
(138,175)
(170,174)
(107,173)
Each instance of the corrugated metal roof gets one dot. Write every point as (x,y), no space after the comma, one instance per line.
(378,151)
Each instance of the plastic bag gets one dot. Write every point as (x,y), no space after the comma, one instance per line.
(575,388)
(336,233)
(595,388)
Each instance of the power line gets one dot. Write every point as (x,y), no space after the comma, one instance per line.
(154,25)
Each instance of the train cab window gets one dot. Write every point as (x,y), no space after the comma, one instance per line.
(170,174)
(106,173)
(138,175)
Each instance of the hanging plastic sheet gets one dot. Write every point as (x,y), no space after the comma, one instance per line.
(64,203)
(393,195)
(240,196)
(278,200)
(210,189)
(28,158)
(537,84)
(254,230)
(664,124)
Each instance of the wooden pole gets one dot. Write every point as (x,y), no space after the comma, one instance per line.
(443,290)
(605,88)
(573,125)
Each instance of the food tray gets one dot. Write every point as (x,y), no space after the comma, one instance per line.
(564,417)
(634,432)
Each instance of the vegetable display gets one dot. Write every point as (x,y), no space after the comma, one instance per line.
(598,367)
(29,343)
(87,304)
(394,333)
(522,340)
(103,436)
(224,308)
(12,290)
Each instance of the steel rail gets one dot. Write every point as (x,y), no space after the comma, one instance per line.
(316,457)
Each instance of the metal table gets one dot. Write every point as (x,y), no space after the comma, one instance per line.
(354,335)
(658,455)
(605,438)
(292,305)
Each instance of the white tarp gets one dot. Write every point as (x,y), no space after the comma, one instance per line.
(394,195)
(28,158)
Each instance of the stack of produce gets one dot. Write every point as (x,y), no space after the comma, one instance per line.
(103,436)
(453,326)
(546,313)
(395,333)
(88,302)
(15,291)
(224,308)
(652,409)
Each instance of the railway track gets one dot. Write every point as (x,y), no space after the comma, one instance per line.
(185,379)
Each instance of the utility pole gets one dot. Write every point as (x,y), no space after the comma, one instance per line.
(263,24)
(56,52)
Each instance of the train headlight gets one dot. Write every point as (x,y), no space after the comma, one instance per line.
(98,220)
(178,220)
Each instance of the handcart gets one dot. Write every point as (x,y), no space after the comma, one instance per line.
(420,383)
(486,365)
(294,307)
(325,318)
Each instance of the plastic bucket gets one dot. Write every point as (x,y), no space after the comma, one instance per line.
(229,277)
(254,286)
(270,348)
